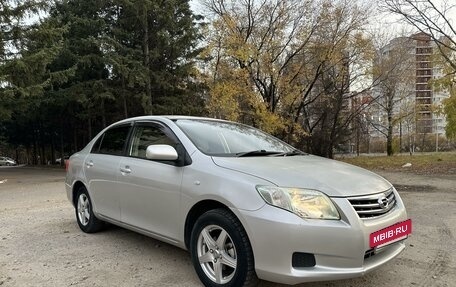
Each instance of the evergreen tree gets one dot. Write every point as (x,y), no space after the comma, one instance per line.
(13,34)
(152,46)
(87,63)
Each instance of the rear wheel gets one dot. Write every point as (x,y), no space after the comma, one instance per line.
(221,252)
(84,213)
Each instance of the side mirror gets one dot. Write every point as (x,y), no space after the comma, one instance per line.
(161,152)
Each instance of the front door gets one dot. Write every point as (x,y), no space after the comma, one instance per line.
(151,190)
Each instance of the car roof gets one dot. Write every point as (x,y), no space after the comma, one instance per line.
(168,117)
(176,117)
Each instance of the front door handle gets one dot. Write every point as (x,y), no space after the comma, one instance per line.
(125,169)
(89,164)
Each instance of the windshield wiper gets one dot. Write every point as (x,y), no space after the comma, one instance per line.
(291,153)
(260,152)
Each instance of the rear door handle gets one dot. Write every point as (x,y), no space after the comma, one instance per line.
(89,164)
(125,169)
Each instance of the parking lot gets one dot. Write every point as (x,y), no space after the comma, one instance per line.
(41,244)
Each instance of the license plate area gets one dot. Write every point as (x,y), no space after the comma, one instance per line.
(390,234)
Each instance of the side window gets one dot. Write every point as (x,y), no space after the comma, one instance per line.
(148,134)
(113,141)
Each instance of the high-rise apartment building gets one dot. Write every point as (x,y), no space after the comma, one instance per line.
(417,88)
(424,47)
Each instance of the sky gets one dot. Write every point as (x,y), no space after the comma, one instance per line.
(385,21)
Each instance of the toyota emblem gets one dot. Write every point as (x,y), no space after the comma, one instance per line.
(383,202)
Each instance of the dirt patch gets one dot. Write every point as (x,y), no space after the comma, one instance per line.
(415,188)
(41,244)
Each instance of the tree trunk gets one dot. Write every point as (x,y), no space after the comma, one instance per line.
(124,98)
(52,149)
(330,153)
(148,108)
(334,127)
(89,123)
(43,154)
(389,137)
(34,154)
(368,142)
(62,162)
(103,113)
(27,149)
(41,144)
(410,143)
(75,140)
(357,138)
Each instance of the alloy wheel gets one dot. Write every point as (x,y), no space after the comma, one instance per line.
(217,254)
(83,209)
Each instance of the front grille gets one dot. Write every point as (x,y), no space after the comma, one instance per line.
(370,206)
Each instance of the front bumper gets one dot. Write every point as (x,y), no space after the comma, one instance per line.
(339,246)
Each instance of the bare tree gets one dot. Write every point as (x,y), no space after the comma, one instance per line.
(263,38)
(408,123)
(395,66)
(288,65)
(433,18)
(345,56)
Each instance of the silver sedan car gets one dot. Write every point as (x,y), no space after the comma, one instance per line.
(4,160)
(246,205)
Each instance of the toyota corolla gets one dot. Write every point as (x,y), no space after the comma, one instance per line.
(245,204)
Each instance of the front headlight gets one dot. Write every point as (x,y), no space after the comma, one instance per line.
(306,203)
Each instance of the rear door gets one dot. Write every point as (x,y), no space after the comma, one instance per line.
(101,170)
(150,192)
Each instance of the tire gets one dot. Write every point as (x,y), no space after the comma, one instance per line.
(84,213)
(220,241)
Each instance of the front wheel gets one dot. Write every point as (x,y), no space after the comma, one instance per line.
(84,213)
(221,251)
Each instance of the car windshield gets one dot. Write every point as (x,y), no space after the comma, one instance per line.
(219,138)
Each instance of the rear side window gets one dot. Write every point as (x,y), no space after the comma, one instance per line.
(113,140)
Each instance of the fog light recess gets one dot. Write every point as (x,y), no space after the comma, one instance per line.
(301,259)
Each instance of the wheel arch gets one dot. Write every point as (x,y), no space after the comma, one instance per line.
(76,186)
(196,211)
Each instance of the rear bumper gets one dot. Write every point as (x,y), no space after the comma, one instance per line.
(339,246)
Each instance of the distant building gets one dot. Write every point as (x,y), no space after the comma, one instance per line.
(424,48)
(417,91)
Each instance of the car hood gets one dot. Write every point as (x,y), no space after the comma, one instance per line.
(332,177)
